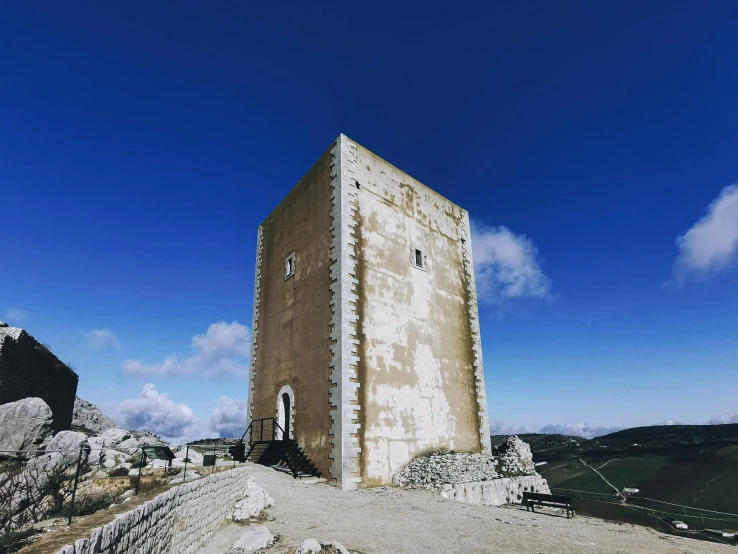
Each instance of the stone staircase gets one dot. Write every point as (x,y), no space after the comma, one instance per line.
(268,448)
(287,456)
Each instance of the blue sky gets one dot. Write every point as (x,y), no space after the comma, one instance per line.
(140,146)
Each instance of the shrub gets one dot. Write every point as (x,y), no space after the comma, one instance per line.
(13,541)
(90,503)
(118,472)
(136,461)
(147,483)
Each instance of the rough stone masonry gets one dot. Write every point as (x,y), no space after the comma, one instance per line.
(29,369)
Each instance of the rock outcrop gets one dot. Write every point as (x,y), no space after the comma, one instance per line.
(515,458)
(28,369)
(68,444)
(25,425)
(87,416)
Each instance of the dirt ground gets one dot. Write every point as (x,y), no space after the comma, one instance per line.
(388,521)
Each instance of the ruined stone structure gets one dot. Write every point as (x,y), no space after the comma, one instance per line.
(29,369)
(366,343)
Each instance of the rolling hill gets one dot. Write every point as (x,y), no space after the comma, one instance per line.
(693,465)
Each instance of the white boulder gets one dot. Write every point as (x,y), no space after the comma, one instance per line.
(256,500)
(130,445)
(114,436)
(252,540)
(68,444)
(338,546)
(25,425)
(112,458)
(309,546)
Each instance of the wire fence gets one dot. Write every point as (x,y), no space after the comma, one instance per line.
(701,523)
(103,475)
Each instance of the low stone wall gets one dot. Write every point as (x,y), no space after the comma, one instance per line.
(495,492)
(178,521)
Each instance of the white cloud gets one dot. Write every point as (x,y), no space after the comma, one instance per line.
(16,316)
(229,417)
(580,429)
(710,245)
(506,265)
(156,412)
(497,427)
(98,339)
(221,352)
(724,418)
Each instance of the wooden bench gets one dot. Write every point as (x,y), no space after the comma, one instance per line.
(533,499)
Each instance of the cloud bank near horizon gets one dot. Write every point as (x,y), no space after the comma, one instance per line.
(222,352)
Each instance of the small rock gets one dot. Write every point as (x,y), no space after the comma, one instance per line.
(309,546)
(253,539)
(338,546)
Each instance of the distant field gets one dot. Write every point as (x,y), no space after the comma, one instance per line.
(695,466)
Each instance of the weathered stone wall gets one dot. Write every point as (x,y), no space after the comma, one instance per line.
(292,316)
(420,372)
(29,369)
(496,492)
(178,521)
(384,358)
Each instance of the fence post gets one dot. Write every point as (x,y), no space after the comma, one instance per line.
(142,463)
(74,490)
(187,457)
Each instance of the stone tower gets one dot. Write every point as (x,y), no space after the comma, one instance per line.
(366,344)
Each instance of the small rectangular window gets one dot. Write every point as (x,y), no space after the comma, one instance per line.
(417,257)
(289,266)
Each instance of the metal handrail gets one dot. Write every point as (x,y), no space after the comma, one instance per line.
(250,430)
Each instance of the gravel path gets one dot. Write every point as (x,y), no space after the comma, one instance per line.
(389,520)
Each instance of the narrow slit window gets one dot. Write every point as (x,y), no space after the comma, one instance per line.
(289,267)
(418,257)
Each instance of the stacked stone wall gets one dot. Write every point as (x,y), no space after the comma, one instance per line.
(496,492)
(29,369)
(178,521)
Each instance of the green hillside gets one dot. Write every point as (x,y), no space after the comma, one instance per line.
(693,465)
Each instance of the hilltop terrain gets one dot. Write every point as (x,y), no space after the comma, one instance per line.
(694,465)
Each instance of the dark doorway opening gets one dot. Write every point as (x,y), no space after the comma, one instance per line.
(287,410)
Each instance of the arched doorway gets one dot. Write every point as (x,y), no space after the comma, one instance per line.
(285,412)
